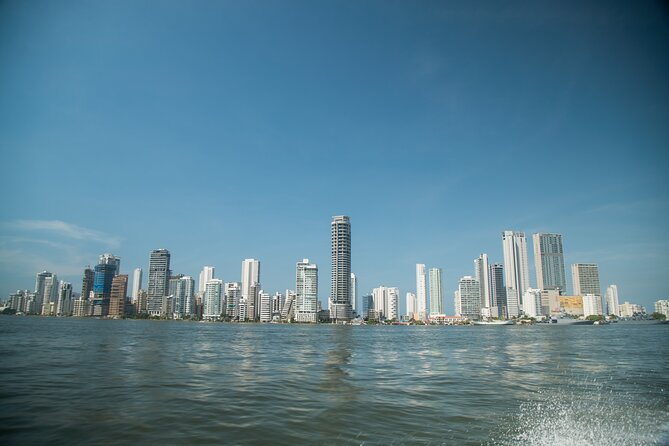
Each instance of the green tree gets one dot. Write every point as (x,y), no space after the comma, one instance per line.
(658,316)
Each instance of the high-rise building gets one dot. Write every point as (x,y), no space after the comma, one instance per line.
(457,302)
(662,307)
(233,292)
(436,292)
(592,305)
(585,277)
(532,302)
(118,294)
(46,291)
(470,297)
(105,271)
(411,305)
(516,271)
(136,284)
(159,273)
(354,293)
(497,291)
(251,286)
(421,292)
(306,289)
(265,312)
(64,305)
(111,259)
(206,275)
(549,262)
(211,301)
(385,303)
(482,274)
(87,283)
(612,301)
(183,297)
(340,295)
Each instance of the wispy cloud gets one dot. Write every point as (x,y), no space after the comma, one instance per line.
(64,229)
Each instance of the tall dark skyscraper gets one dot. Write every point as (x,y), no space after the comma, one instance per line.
(159,273)
(497,289)
(340,297)
(549,262)
(102,283)
(87,283)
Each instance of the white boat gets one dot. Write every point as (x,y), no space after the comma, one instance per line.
(494,322)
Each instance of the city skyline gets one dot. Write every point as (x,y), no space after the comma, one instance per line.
(262,122)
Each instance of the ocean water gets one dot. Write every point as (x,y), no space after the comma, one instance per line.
(86,381)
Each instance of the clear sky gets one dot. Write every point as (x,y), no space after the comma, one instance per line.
(222,130)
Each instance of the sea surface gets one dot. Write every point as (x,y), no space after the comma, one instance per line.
(67,381)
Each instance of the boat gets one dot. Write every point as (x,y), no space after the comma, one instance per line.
(494,322)
(569,321)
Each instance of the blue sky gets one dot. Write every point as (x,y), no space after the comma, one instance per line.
(227,130)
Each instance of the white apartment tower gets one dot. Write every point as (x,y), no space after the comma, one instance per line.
(482,274)
(340,297)
(436,292)
(211,301)
(250,286)
(354,293)
(612,301)
(516,271)
(421,292)
(306,289)
(549,262)
(206,275)
(136,284)
(411,305)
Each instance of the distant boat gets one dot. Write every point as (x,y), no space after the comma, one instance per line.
(570,321)
(494,322)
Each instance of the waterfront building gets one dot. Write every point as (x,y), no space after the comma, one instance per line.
(354,293)
(183,297)
(136,284)
(87,283)
(572,305)
(251,286)
(118,296)
(662,307)
(233,293)
(306,289)
(411,305)
(630,310)
(367,305)
(457,303)
(516,271)
(265,310)
(612,302)
(288,309)
(421,292)
(497,291)
(385,304)
(159,272)
(278,301)
(142,302)
(64,305)
(46,292)
(550,302)
(392,304)
(81,307)
(19,300)
(592,305)
(436,291)
(469,293)
(206,275)
(111,259)
(532,302)
(340,298)
(585,277)
(212,299)
(105,271)
(482,274)
(549,262)
(243,309)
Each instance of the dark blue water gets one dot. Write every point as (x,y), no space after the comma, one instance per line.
(86,381)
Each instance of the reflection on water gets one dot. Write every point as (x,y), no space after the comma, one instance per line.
(187,383)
